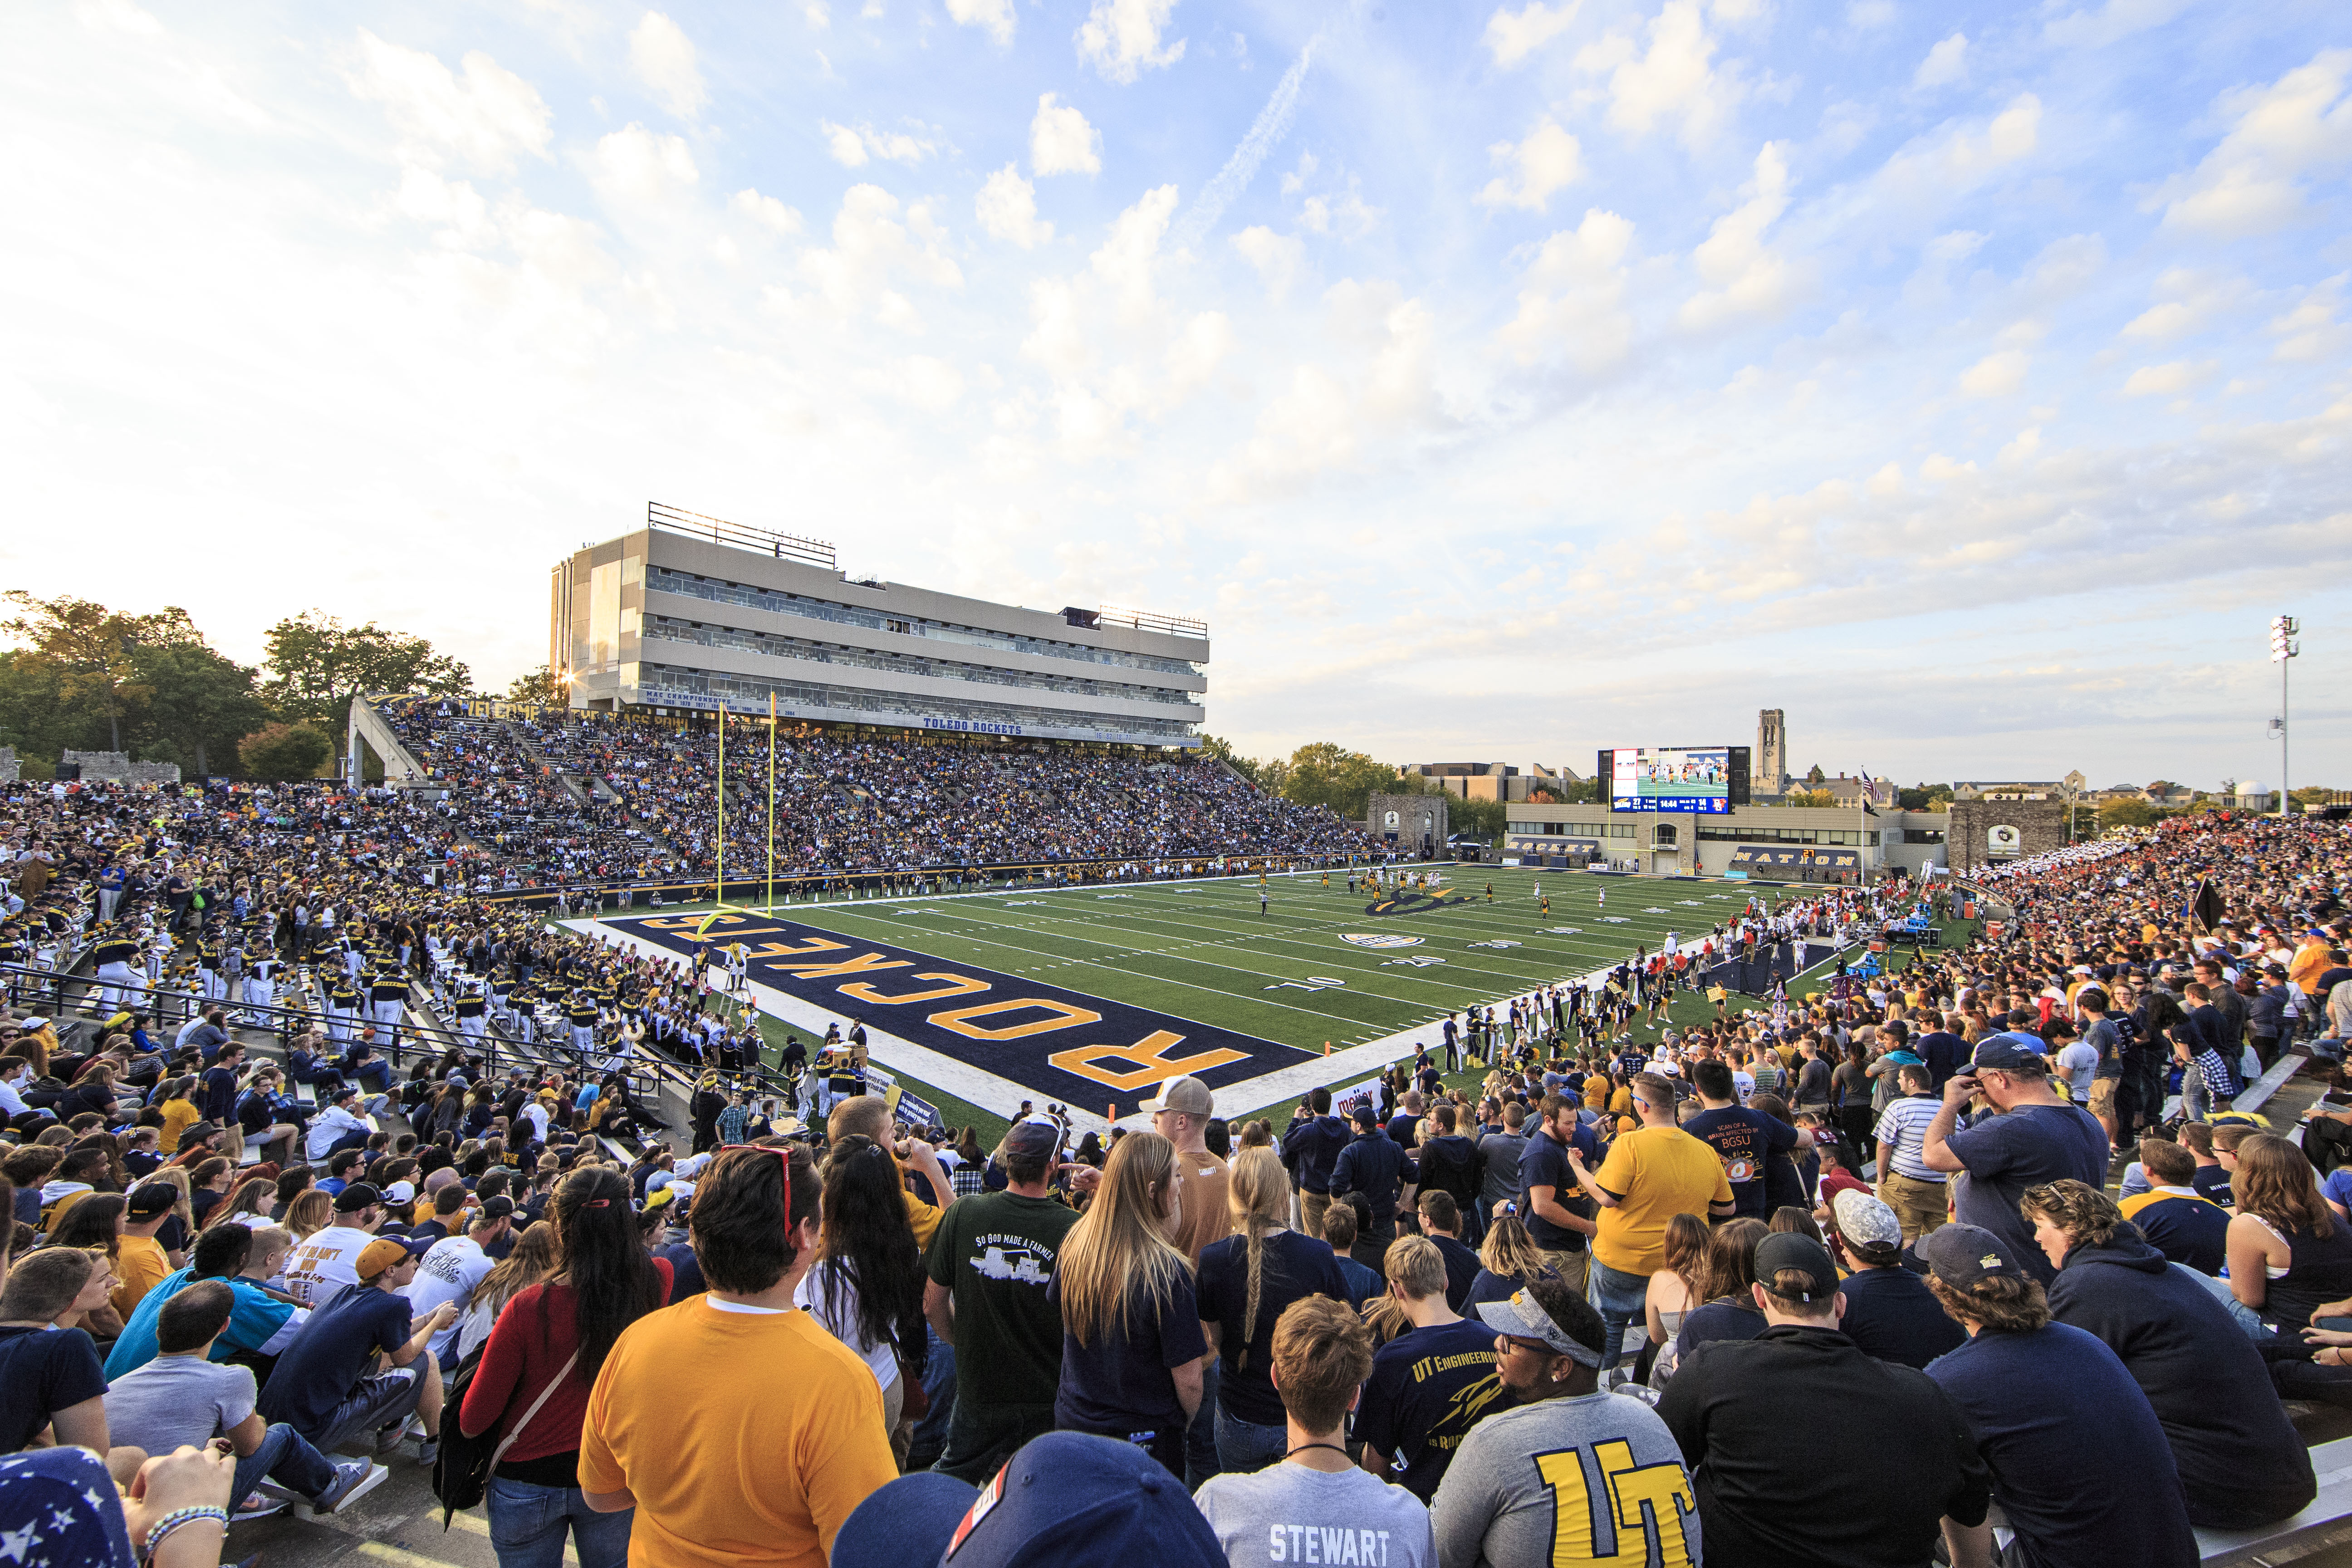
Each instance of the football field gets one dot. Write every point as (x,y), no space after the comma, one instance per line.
(1088,995)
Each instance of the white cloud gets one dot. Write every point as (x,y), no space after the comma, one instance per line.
(1749,277)
(2116,20)
(1998,375)
(1120,38)
(766,211)
(1130,256)
(994,15)
(2310,331)
(1513,35)
(2187,299)
(1548,160)
(1276,256)
(921,381)
(663,56)
(853,145)
(1572,297)
(1061,141)
(482,119)
(1870,15)
(1947,63)
(2165,379)
(818,14)
(1007,208)
(2251,182)
(636,167)
(1331,416)
(1674,80)
(875,243)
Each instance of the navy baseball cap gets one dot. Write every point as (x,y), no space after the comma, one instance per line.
(2007,1052)
(1070,1499)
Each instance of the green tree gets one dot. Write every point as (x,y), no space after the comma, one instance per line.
(1325,775)
(2127,812)
(86,647)
(540,687)
(280,752)
(1815,775)
(202,701)
(317,665)
(1485,819)
(1223,750)
(1812,797)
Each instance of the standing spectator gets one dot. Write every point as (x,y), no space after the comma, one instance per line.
(561,1333)
(1914,1189)
(1508,1259)
(1245,1282)
(2242,1462)
(762,1456)
(1181,1114)
(2038,1138)
(1312,1143)
(1565,1468)
(1552,1203)
(1131,1340)
(1449,1163)
(182,1397)
(1376,1165)
(1675,1291)
(1745,1139)
(1774,1503)
(1441,1222)
(868,1289)
(1652,1173)
(1499,1154)
(1889,1311)
(1431,1385)
(990,1262)
(1320,1355)
(2040,1395)
(1363,1284)
(324,1385)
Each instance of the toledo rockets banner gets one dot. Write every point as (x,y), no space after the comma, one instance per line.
(1064,1045)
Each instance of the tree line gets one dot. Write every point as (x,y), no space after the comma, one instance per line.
(83,676)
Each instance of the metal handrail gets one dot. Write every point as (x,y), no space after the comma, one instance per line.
(718,531)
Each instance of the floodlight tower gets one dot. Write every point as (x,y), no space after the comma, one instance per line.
(2284,648)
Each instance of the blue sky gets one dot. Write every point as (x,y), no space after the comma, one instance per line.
(1969,381)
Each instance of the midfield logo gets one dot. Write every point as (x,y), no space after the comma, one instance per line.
(1415,903)
(1380,938)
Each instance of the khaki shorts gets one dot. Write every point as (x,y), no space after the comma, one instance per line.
(1920,1206)
(1572,1267)
(2103,1098)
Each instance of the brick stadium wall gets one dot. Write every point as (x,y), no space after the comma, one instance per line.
(2041,824)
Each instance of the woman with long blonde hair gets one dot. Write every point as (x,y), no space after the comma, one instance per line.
(1131,1341)
(1244,1284)
(307,1214)
(534,1258)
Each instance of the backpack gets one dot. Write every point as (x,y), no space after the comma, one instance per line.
(461,1470)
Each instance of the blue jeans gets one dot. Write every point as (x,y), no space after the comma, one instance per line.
(1200,1439)
(287,1458)
(930,1438)
(528,1524)
(1619,1298)
(1244,1447)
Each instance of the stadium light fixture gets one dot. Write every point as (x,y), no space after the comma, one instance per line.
(2283,648)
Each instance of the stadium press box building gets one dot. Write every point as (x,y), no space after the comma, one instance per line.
(691,613)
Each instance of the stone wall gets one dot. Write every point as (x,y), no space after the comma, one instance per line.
(116,767)
(1411,823)
(1992,832)
(9,767)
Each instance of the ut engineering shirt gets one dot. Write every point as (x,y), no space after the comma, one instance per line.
(1428,1388)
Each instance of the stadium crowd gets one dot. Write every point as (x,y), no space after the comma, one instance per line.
(1835,1280)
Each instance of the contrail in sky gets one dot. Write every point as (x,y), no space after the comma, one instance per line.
(1273,124)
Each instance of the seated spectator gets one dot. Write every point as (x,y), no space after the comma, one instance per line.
(2039,1395)
(1441,1222)
(803,1416)
(1726,1310)
(1131,1340)
(1508,1259)
(260,1325)
(326,1262)
(1889,1311)
(51,1379)
(2288,1253)
(324,1385)
(181,1396)
(1566,1465)
(140,1262)
(1068,1499)
(1320,1356)
(1766,1500)
(1245,1282)
(1431,1383)
(1340,1236)
(2242,1462)
(2172,1215)
(452,1267)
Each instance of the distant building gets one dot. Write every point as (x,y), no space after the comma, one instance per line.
(1494,781)
(2070,787)
(1772,775)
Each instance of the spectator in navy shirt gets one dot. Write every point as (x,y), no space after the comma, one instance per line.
(1746,1140)
(1340,1236)
(2039,1137)
(1310,1147)
(2040,1395)
(1441,1222)
(1375,1165)
(1889,1311)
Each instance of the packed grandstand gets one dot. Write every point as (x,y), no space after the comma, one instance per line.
(322,1149)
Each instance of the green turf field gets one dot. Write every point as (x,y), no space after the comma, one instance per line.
(1203,951)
